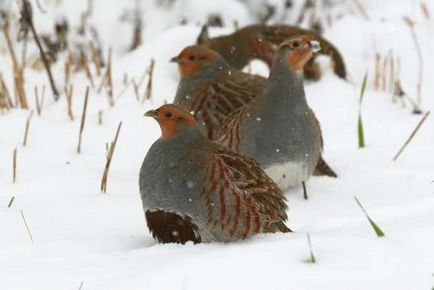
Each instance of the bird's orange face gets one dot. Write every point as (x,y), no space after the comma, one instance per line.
(193,59)
(170,117)
(299,51)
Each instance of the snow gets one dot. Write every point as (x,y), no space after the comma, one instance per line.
(83,235)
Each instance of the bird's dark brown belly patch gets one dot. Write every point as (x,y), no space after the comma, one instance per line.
(169,227)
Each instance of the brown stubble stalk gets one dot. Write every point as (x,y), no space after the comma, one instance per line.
(410,24)
(100,117)
(150,72)
(377,71)
(425,10)
(361,9)
(4,89)
(14,165)
(425,116)
(68,95)
(109,159)
(136,89)
(27,16)
(95,59)
(17,72)
(11,201)
(26,131)
(27,226)
(83,120)
(109,79)
(85,64)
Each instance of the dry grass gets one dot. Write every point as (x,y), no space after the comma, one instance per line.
(413,133)
(83,120)
(26,131)
(109,158)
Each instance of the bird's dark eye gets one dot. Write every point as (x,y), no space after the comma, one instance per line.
(295,44)
(168,115)
(191,57)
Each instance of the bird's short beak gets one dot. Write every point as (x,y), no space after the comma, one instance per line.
(175,59)
(151,113)
(314,46)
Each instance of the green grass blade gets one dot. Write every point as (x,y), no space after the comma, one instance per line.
(376,228)
(311,255)
(362,90)
(360,133)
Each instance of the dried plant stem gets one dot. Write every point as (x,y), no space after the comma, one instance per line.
(136,89)
(384,74)
(425,10)
(14,166)
(26,131)
(100,117)
(27,226)
(361,9)
(303,184)
(109,159)
(17,72)
(86,68)
(95,59)
(150,71)
(29,20)
(4,90)
(83,120)
(109,79)
(410,24)
(377,71)
(411,135)
(11,201)
(69,94)
(37,101)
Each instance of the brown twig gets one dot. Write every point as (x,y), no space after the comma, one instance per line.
(109,160)
(26,132)
(136,89)
(27,226)
(37,101)
(86,68)
(377,71)
(425,10)
(83,120)
(150,71)
(69,94)
(109,79)
(5,97)
(27,16)
(304,190)
(14,166)
(11,201)
(17,72)
(361,9)
(410,24)
(100,117)
(411,135)
(95,59)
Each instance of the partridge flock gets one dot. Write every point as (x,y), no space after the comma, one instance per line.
(231,142)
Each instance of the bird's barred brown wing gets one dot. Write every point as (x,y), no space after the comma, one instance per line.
(240,198)
(230,132)
(212,105)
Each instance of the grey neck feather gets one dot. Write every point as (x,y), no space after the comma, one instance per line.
(186,138)
(186,86)
(284,89)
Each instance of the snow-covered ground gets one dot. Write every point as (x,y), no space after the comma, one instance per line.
(84,238)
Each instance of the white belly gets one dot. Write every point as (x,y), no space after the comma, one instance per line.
(290,174)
